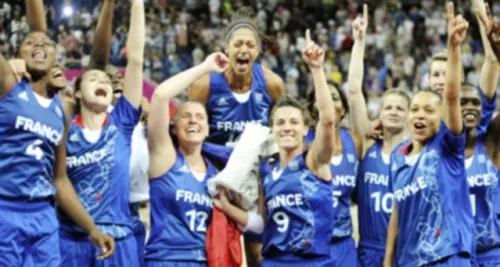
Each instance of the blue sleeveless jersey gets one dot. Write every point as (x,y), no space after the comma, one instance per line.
(227,116)
(100,173)
(373,196)
(181,210)
(488,108)
(298,207)
(432,198)
(344,183)
(30,136)
(483,183)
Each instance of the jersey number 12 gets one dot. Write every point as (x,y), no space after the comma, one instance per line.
(202,218)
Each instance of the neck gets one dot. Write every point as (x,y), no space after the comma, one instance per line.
(238,83)
(40,86)
(192,154)
(92,120)
(470,137)
(416,147)
(288,155)
(392,139)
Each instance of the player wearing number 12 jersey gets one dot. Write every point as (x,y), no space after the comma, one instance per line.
(181,207)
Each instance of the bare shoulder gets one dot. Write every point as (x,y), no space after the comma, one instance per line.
(200,89)
(274,84)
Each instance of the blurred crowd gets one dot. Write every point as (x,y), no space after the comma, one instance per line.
(400,41)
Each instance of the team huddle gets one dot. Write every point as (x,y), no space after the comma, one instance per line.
(423,176)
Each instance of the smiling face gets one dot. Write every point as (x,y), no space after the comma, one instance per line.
(424,116)
(191,123)
(289,127)
(242,50)
(471,106)
(394,112)
(57,80)
(39,53)
(437,76)
(117,81)
(95,90)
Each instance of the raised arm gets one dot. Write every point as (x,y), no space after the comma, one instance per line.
(321,150)
(35,15)
(491,68)
(68,200)
(359,114)
(102,39)
(161,148)
(135,54)
(457,31)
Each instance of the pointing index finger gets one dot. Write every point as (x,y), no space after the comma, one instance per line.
(365,12)
(308,36)
(451,11)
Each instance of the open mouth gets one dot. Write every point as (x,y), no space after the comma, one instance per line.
(101,92)
(39,55)
(394,120)
(470,116)
(57,74)
(242,63)
(440,90)
(193,130)
(419,127)
(118,91)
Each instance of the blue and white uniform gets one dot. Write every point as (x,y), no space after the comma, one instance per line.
(374,205)
(98,165)
(435,223)
(298,205)
(344,170)
(32,128)
(181,210)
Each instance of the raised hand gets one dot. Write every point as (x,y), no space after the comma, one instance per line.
(360,24)
(492,29)
(104,242)
(216,62)
(457,27)
(313,55)
(18,67)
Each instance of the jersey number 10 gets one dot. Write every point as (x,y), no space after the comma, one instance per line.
(384,202)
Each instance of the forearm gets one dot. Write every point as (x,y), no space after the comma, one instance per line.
(35,15)
(102,39)
(359,114)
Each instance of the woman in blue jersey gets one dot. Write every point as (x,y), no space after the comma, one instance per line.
(98,150)
(241,94)
(181,207)
(344,164)
(431,223)
(372,192)
(482,161)
(296,198)
(32,150)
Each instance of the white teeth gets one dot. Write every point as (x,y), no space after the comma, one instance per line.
(470,117)
(192,130)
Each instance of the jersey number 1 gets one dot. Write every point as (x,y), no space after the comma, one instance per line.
(34,149)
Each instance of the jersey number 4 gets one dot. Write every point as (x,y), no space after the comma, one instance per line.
(34,149)
(194,216)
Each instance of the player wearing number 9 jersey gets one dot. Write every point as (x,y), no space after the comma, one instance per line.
(181,207)
(296,192)
(241,94)
(431,223)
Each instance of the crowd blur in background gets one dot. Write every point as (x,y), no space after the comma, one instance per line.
(400,41)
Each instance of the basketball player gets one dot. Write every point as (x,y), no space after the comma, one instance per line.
(431,223)
(33,152)
(296,198)
(99,155)
(482,163)
(344,165)
(372,192)
(242,94)
(181,207)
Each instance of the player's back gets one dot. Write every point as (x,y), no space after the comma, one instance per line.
(229,112)
(181,210)
(32,128)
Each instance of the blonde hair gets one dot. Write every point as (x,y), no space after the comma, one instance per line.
(396,91)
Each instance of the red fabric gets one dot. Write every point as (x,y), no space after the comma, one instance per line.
(79,121)
(223,243)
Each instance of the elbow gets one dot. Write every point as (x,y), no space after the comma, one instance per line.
(327,119)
